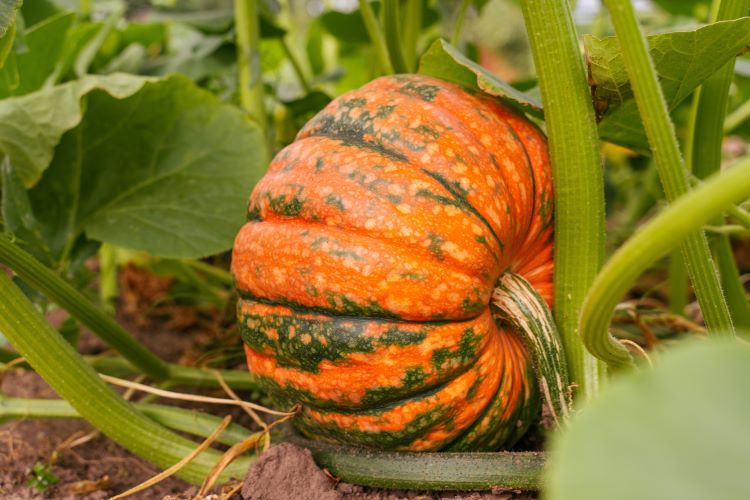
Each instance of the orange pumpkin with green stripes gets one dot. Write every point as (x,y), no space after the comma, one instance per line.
(369,258)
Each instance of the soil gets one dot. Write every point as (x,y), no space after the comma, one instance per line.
(83,464)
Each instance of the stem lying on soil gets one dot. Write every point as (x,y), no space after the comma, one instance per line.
(178,374)
(55,360)
(173,417)
(428,471)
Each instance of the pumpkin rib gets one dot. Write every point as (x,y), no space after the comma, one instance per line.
(341,362)
(496,414)
(354,217)
(355,275)
(387,89)
(443,113)
(418,422)
(302,309)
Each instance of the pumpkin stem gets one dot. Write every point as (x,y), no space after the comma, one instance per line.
(518,303)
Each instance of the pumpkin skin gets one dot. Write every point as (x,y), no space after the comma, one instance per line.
(367,263)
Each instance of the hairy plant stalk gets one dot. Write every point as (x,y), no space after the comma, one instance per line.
(681,218)
(60,292)
(708,117)
(66,372)
(577,174)
(666,152)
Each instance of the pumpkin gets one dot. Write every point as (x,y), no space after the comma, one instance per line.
(366,268)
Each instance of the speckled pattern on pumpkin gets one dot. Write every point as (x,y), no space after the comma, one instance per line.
(365,270)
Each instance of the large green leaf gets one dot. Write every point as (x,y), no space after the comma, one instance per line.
(683,60)
(444,61)
(8,10)
(157,165)
(31,126)
(678,431)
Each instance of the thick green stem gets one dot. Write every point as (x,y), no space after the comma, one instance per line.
(178,374)
(70,299)
(666,152)
(577,173)
(458,26)
(709,112)
(393,35)
(295,65)
(429,471)
(175,418)
(64,370)
(376,36)
(652,241)
(412,27)
(247,26)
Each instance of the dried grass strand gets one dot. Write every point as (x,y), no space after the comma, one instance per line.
(176,467)
(190,397)
(235,397)
(238,449)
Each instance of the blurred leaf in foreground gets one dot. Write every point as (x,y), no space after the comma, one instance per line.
(677,431)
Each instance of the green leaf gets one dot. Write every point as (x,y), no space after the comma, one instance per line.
(36,11)
(444,61)
(44,42)
(8,10)
(31,126)
(677,431)
(683,60)
(18,215)
(152,164)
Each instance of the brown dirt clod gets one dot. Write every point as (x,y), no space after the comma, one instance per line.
(287,471)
